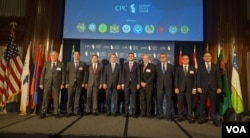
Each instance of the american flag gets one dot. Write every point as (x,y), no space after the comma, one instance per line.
(10,70)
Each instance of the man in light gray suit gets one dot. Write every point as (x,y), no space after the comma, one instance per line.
(75,81)
(52,79)
(94,84)
(112,83)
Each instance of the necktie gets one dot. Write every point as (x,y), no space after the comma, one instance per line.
(185,70)
(53,67)
(208,68)
(130,66)
(76,66)
(163,68)
(113,67)
(144,67)
(94,68)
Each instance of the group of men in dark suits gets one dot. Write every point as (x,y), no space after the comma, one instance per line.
(132,78)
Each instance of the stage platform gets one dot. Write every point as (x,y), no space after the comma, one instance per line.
(31,126)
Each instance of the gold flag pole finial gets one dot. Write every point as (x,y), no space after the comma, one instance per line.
(13,25)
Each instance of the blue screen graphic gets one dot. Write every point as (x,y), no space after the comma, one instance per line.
(168,20)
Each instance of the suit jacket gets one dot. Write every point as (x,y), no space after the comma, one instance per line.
(165,80)
(73,75)
(188,81)
(56,79)
(94,79)
(112,78)
(148,75)
(204,79)
(133,76)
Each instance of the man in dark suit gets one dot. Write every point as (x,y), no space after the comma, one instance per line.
(147,81)
(75,81)
(130,83)
(94,84)
(185,86)
(164,85)
(112,83)
(208,84)
(52,79)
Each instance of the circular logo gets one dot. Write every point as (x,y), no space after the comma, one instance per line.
(161,29)
(149,29)
(184,29)
(172,29)
(92,27)
(137,29)
(80,27)
(126,28)
(102,28)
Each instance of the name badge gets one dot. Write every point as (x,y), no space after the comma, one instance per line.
(191,72)
(58,68)
(80,68)
(148,70)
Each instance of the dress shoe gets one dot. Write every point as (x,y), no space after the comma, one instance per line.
(57,116)
(202,121)
(134,115)
(216,123)
(126,115)
(169,118)
(68,114)
(108,114)
(180,119)
(42,116)
(191,120)
(160,117)
(87,113)
(95,114)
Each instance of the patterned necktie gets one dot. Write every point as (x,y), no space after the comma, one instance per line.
(130,66)
(53,67)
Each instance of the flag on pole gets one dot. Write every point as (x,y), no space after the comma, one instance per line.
(25,80)
(236,95)
(208,102)
(225,101)
(73,50)
(34,90)
(60,57)
(10,69)
(195,64)
(180,58)
(51,50)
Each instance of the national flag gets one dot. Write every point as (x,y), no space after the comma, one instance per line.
(225,101)
(207,48)
(25,80)
(51,50)
(72,53)
(236,95)
(34,90)
(10,70)
(180,57)
(195,64)
(208,102)
(60,57)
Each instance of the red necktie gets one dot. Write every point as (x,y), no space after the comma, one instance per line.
(144,67)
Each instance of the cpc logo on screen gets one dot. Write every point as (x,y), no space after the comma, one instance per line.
(120,8)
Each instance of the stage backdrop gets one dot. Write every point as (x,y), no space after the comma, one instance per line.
(103,48)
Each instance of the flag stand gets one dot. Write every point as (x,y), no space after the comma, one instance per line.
(34,112)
